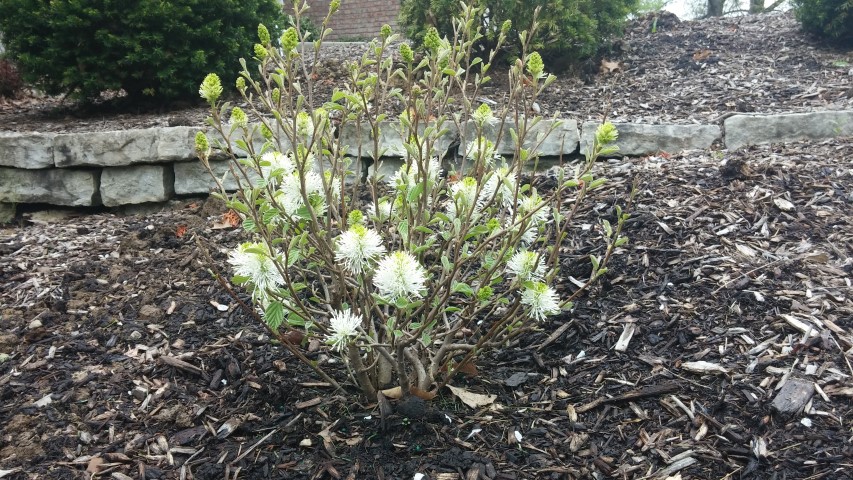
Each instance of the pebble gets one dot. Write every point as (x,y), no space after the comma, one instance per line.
(35,324)
(135,335)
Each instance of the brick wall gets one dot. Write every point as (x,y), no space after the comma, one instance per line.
(356,19)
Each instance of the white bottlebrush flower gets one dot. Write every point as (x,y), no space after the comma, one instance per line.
(534,203)
(358,247)
(501,182)
(481,148)
(541,300)
(399,275)
(409,175)
(463,195)
(526,266)
(383,212)
(254,261)
(291,197)
(344,325)
(272,161)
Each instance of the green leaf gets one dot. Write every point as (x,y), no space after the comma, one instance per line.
(239,280)
(415,193)
(463,288)
(620,241)
(249,225)
(274,315)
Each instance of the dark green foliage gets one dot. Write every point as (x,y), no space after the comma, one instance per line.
(570,30)
(10,79)
(830,19)
(156,48)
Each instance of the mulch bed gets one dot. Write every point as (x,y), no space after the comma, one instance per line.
(122,357)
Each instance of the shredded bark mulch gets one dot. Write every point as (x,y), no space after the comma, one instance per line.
(719,345)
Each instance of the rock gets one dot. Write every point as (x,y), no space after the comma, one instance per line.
(137,184)
(641,139)
(562,138)
(743,130)
(390,140)
(77,188)
(135,335)
(26,150)
(35,324)
(192,177)
(124,147)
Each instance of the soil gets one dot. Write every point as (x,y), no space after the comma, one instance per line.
(121,357)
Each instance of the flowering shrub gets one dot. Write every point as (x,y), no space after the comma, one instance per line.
(408,277)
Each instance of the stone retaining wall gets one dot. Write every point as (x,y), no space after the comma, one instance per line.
(153,165)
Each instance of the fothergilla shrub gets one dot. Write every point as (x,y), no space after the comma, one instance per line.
(148,48)
(830,19)
(570,30)
(10,78)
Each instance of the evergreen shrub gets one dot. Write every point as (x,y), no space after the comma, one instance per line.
(149,48)
(570,30)
(830,19)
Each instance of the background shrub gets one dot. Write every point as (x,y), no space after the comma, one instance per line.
(148,47)
(830,19)
(10,78)
(570,30)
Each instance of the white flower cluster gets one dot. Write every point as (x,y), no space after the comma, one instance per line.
(344,325)
(281,171)
(255,262)
(358,248)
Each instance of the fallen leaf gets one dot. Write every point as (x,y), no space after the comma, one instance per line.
(229,219)
(609,67)
(396,393)
(94,465)
(181,231)
(702,55)
(426,395)
(473,400)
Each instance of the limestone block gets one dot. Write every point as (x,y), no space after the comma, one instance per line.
(390,140)
(137,184)
(551,138)
(743,130)
(639,139)
(124,147)
(77,188)
(26,150)
(193,178)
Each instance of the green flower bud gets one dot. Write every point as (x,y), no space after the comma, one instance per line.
(304,124)
(289,40)
(606,133)
(406,53)
(483,114)
(485,293)
(535,65)
(263,34)
(385,31)
(202,146)
(276,95)
(211,88)
(241,84)
(355,217)
(506,26)
(266,132)
(334,6)
(260,51)
(432,41)
(239,118)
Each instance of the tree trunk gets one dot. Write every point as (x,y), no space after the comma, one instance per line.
(715,8)
(756,6)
